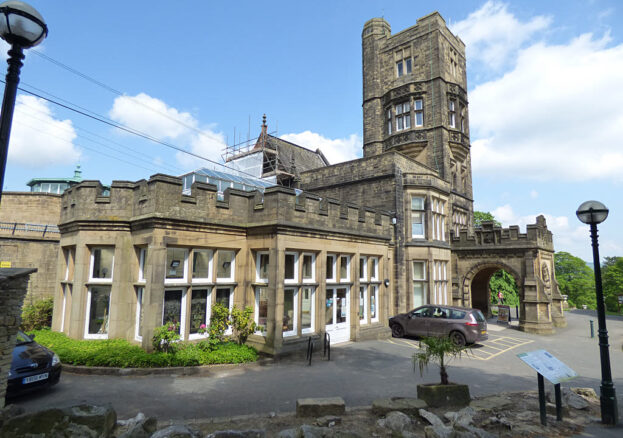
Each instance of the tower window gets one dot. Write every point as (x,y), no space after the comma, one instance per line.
(404,67)
(389,122)
(419,112)
(451,114)
(403,116)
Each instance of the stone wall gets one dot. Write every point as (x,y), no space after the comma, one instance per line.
(29,207)
(13,285)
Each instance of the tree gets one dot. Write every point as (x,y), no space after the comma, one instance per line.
(612,281)
(575,279)
(482,216)
(440,350)
(504,282)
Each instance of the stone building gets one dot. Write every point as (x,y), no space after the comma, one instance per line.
(331,248)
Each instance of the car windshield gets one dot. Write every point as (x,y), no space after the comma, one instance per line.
(22,338)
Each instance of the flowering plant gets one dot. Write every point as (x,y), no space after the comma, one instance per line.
(202,329)
(165,336)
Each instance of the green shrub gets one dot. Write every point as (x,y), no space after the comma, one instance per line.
(165,337)
(243,324)
(219,320)
(37,315)
(122,354)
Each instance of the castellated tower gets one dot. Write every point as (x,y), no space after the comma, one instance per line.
(415,98)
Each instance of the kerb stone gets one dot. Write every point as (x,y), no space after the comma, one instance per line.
(319,407)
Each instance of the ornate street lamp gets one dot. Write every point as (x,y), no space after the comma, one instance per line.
(22,27)
(593,213)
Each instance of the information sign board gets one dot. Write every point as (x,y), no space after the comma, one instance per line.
(504,313)
(548,366)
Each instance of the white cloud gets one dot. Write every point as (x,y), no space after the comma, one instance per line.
(151,116)
(154,117)
(492,34)
(38,139)
(557,115)
(335,150)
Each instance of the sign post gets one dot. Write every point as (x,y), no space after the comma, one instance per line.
(549,367)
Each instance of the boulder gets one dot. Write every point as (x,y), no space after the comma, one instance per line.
(175,431)
(439,431)
(139,427)
(432,419)
(395,421)
(409,406)
(318,407)
(81,420)
(494,402)
(464,417)
(328,421)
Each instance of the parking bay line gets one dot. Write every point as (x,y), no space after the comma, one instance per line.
(503,351)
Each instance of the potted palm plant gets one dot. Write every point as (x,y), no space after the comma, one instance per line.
(441,351)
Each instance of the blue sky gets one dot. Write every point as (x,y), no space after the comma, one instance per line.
(546,112)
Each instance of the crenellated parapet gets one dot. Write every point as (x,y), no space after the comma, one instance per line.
(490,236)
(161,198)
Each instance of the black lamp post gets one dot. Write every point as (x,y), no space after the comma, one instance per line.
(22,27)
(593,213)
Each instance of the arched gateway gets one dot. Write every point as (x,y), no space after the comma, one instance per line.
(528,257)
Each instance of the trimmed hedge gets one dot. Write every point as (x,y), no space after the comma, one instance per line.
(120,353)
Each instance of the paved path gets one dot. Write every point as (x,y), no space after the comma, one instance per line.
(359,372)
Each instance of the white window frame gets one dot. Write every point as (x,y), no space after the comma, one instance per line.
(423,281)
(418,109)
(258,270)
(66,254)
(91,266)
(64,291)
(257,311)
(183,316)
(230,279)
(142,254)
(295,307)
(140,293)
(311,329)
(348,258)
(389,121)
(422,211)
(363,319)
(228,331)
(373,289)
(375,276)
(295,268)
(184,279)
(363,265)
(333,258)
(313,267)
(88,335)
(207,279)
(399,70)
(192,336)
(452,113)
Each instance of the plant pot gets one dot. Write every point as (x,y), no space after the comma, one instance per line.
(437,395)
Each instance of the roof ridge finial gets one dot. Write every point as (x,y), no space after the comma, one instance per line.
(264,127)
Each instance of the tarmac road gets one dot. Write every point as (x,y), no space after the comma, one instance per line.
(359,372)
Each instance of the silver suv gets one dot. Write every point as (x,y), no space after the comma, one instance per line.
(461,324)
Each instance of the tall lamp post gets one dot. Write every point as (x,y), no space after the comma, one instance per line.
(22,27)
(593,213)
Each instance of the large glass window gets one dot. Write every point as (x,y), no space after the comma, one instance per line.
(261,308)
(419,112)
(309,267)
(138,322)
(344,268)
(142,257)
(403,116)
(102,260)
(176,265)
(289,311)
(452,113)
(374,298)
(373,263)
(173,308)
(418,217)
(307,309)
(98,312)
(202,265)
(199,303)
(440,281)
(363,299)
(225,266)
(291,267)
(439,219)
(419,284)
(330,268)
(262,267)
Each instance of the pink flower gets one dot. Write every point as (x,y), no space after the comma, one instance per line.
(202,326)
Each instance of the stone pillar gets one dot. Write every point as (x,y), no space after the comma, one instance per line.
(13,287)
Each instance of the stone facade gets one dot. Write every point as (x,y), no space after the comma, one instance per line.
(29,238)
(13,286)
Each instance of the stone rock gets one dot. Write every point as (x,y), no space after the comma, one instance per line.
(306,431)
(81,420)
(139,427)
(464,417)
(10,411)
(437,395)
(494,402)
(439,431)
(251,433)
(328,421)
(471,431)
(433,419)
(289,433)
(587,393)
(550,408)
(409,406)
(132,421)
(575,401)
(318,407)
(175,431)
(395,421)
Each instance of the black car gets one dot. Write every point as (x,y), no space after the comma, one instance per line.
(33,366)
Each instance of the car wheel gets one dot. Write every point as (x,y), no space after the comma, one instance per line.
(397,331)
(458,338)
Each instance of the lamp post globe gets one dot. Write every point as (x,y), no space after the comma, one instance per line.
(22,27)
(593,213)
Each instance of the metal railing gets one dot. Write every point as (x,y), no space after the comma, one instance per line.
(17,227)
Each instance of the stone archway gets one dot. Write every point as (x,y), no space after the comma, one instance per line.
(477,282)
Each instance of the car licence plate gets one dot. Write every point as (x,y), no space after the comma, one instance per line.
(35,378)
